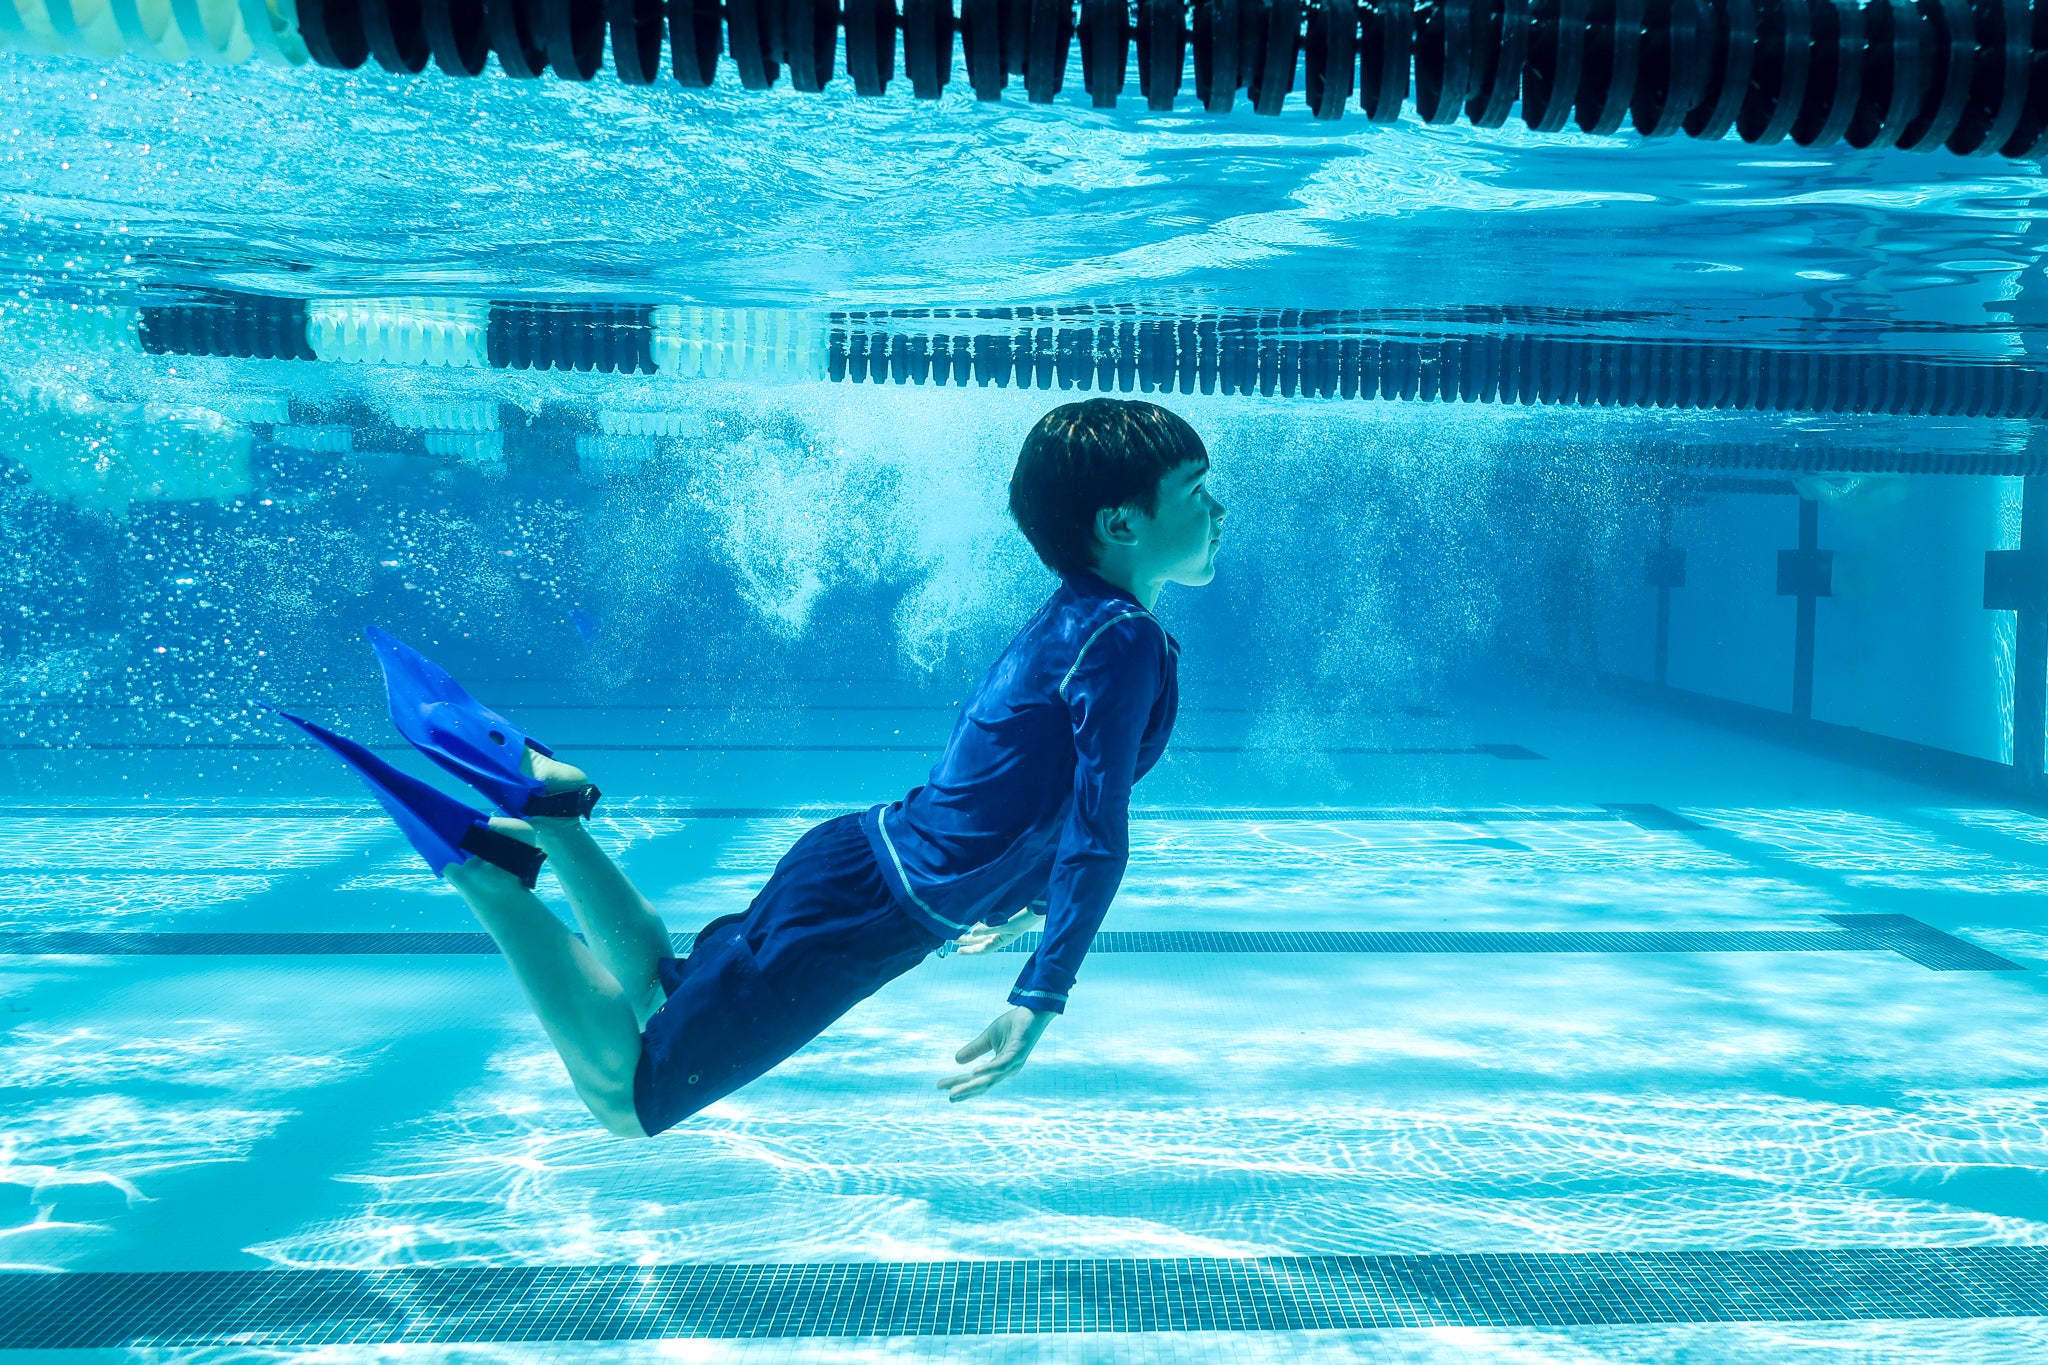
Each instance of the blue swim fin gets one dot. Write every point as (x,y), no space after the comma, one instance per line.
(443,829)
(466,737)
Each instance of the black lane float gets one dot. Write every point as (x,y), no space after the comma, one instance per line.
(1287,353)
(1965,75)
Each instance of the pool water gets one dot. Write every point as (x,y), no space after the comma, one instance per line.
(1498,976)
(401,1108)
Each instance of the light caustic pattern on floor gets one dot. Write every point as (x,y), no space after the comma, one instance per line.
(374,1111)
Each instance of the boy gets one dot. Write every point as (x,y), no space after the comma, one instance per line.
(1022,823)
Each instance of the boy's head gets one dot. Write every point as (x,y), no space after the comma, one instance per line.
(1089,482)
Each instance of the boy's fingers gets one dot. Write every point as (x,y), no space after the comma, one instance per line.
(975,1048)
(970,1083)
(973,1086)
(960,1087)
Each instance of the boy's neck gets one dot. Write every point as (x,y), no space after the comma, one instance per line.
(1119,572)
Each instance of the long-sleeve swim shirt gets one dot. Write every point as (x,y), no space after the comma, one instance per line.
(1029,806)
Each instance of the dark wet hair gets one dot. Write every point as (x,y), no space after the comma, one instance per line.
(1083,457)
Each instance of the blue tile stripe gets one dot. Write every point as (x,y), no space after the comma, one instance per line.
(1917,942)
(1652,817)
(187,1309)
(1924,944)
(1899,934)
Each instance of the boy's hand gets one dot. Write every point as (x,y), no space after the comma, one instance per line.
(986,938)
(1009,1040)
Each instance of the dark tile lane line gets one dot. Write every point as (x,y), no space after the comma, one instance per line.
(1503,751)
(1899,934)
(185,1309)
(667,811)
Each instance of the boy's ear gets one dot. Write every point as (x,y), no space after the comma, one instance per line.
(1113,526)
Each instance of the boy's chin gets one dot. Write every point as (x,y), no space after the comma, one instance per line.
(1199,577)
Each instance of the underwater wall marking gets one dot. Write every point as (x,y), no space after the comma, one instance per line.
(1806,574)
(1909,938)
(2016,580)
(256,1308)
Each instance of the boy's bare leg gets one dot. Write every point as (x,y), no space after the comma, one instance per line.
(579,1002)
(624,931)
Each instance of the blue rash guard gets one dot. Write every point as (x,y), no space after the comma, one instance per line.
(1029,807)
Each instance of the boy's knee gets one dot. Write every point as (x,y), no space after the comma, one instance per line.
(613,1110)
(627,1126)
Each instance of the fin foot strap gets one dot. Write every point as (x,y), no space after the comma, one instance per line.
(576,803)
(502,850)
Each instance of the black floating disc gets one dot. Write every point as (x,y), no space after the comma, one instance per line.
(1500,48)
(1105,49)
(1219,53)
(747,30)
(512,26)
(1777,80)
(871,44)
(927,46)
(1951,47)
(1045,54)
(333,32)
(636,39)
(1998,89)
(810,40)
(695,38)
(1894,73)
(1272,76)
(1162,50)
(981,40)
(214,330)
(1614,48)
(1729,35)
(1673,66)
(573,33)
(1332,56)
(2030,135)
(244,318)
(456,35)
(269,340)
(1835,85)
(1386,44)
(1443,59)
(1016,25)
(396,36)
(1557,52)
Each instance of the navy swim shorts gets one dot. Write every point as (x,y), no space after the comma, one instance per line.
(823,935)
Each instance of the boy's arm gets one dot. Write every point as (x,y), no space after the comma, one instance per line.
(1110,695)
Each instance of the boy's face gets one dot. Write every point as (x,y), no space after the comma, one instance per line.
(1177,543)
